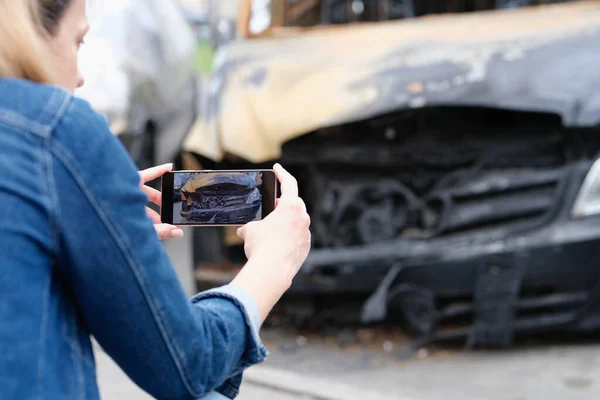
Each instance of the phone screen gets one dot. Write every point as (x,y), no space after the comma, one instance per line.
(200,198)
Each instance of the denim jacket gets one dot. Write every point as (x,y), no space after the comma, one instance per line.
(79,258)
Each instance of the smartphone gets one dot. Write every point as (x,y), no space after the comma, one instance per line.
(217,198)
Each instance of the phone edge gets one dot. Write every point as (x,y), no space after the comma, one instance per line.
(276,192)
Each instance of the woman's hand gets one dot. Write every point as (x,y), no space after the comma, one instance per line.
(276,247)
(164,231)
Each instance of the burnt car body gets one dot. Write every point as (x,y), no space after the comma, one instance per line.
(449,163)
(140,72)
(220,199)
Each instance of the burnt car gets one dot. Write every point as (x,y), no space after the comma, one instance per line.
(140,71)
(448,159)
(232,198)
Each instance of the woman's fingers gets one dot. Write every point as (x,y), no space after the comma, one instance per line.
(241,231)
(154,196)
(152,173)
(166,231)
(153,215)
(289,185)
(301,204)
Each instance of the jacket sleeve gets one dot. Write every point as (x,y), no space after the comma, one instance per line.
(124,283)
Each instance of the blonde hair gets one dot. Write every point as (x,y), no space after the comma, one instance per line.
(24,51)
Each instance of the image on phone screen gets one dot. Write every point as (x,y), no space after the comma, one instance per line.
(217,197)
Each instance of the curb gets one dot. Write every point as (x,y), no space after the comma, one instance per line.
(313,387)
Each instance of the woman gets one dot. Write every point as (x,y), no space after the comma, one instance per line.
(79,255)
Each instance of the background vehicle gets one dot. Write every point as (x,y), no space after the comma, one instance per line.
(449,163)
(139,64)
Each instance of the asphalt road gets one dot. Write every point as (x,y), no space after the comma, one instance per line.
(115,385)
(536,371)
(565,372)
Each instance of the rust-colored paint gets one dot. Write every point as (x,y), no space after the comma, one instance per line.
(415,87)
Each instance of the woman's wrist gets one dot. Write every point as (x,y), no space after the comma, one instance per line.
(266,287)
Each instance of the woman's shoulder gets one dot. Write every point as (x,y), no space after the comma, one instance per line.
(38,108)
(44,109)
(31,106)
(75,129)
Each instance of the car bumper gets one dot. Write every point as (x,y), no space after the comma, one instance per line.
(553,254)
(238,215)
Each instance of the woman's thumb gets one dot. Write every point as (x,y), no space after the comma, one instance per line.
(242,231)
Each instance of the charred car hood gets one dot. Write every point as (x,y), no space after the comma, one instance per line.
(265,92)
(210,180)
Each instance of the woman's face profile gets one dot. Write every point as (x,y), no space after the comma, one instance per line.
(65,43)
